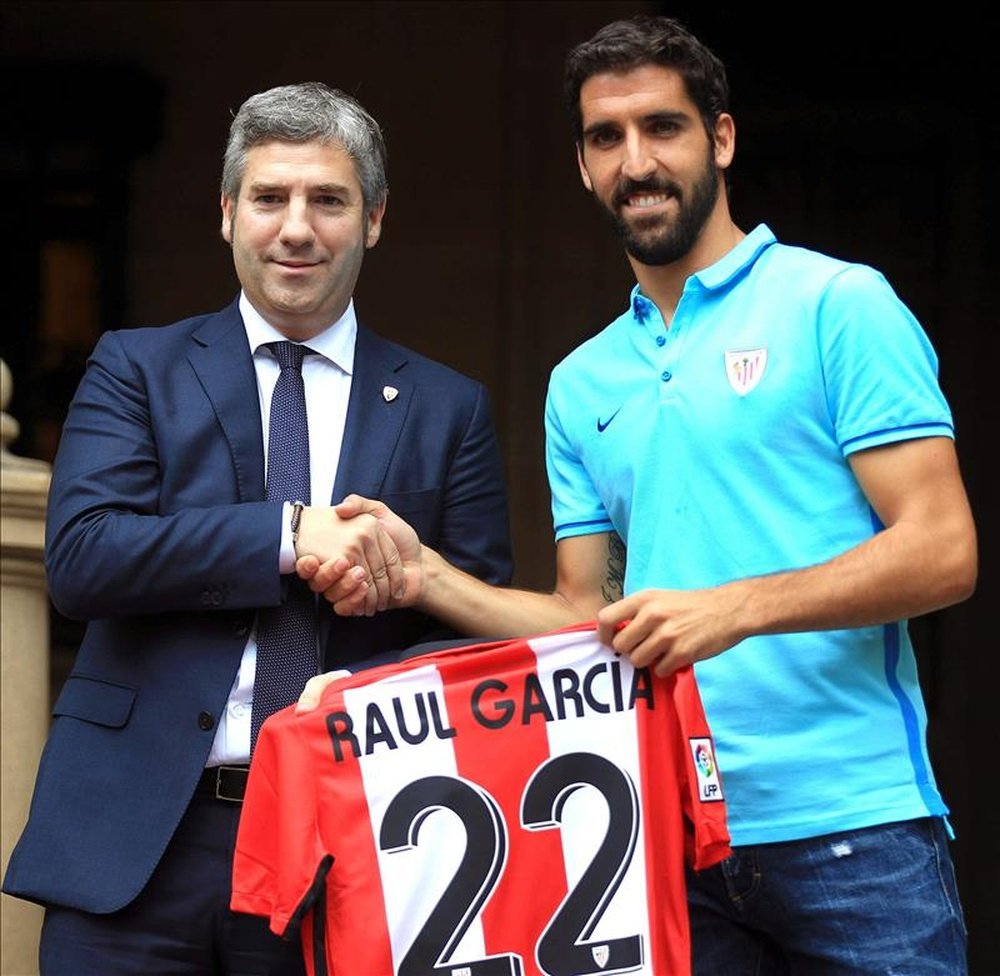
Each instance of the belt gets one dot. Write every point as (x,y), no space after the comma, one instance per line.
(224,783)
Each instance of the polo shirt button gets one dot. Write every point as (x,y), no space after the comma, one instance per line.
(666,376)
(661,340)
(205,721)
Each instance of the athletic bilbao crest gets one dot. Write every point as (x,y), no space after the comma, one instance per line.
(744,368)
(601,954)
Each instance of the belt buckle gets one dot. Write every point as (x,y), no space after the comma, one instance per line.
(234,795)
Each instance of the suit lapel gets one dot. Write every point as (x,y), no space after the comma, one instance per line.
(220,355)
(380,399)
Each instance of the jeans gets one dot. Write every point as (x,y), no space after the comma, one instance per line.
(876,900)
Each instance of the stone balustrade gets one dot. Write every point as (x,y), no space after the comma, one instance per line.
(24,649)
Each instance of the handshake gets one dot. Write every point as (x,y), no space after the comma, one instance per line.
(380,561)
(380,564)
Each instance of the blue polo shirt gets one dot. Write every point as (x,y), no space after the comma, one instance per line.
(717,450)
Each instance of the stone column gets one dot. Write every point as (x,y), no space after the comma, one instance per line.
(24,650)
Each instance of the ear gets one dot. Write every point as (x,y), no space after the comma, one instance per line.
(584,175)
(725,140)
(228,212)
(373,224)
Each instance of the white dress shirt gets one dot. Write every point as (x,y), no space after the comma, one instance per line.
(327,378)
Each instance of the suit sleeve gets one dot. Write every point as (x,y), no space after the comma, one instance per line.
(117,541)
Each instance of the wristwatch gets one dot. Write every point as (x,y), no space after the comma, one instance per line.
(296,518)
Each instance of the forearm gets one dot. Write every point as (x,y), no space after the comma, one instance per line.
(902,572)
(112,562)
(476,608)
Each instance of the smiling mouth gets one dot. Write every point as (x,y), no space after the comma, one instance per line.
(295,265)
(639,195)
(644,201)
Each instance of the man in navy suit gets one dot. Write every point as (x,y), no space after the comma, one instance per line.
(160,536)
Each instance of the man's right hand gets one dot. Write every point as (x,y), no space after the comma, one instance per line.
(348,586)
(356,544)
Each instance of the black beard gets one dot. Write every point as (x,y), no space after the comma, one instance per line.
(657,240)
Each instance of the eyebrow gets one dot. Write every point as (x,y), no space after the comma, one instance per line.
(667,115)
(261,187)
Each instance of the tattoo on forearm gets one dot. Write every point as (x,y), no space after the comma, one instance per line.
(613,587)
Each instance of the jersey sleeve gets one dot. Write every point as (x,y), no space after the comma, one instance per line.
(702,798)
(880,369)
(279,865)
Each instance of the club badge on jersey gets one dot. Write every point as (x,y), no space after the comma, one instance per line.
(519,808)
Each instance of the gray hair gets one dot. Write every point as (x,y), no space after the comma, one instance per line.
(308,112)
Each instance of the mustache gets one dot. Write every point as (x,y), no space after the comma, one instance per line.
(627,188)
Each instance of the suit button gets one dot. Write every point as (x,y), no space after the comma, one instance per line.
(205,721)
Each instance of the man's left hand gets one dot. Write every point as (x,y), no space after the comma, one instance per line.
(668,629)
(313,691)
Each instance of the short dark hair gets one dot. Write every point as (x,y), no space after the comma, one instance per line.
(646,39)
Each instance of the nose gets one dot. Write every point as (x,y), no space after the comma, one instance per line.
(638,162)
(296,227)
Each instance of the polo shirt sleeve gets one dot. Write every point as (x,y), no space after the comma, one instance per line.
(880,370)
(576,506)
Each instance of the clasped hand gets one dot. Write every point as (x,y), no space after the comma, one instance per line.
(364,560)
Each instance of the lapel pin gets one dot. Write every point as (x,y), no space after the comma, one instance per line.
(389,393)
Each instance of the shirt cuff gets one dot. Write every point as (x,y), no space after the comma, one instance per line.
(286,555)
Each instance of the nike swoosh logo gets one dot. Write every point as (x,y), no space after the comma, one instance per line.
(600,426)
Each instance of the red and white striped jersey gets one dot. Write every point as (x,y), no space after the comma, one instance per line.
(516,808)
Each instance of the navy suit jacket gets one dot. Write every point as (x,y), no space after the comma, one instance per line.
(159,536)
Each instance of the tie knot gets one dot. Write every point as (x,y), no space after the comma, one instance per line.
(288,354)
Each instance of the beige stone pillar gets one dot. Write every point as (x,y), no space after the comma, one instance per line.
(24,682)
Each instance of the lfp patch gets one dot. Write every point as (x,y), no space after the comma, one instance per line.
(709,783)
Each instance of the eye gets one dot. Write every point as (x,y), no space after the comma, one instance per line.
(329,200)
(663,126)
(603,138)
(267,199)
